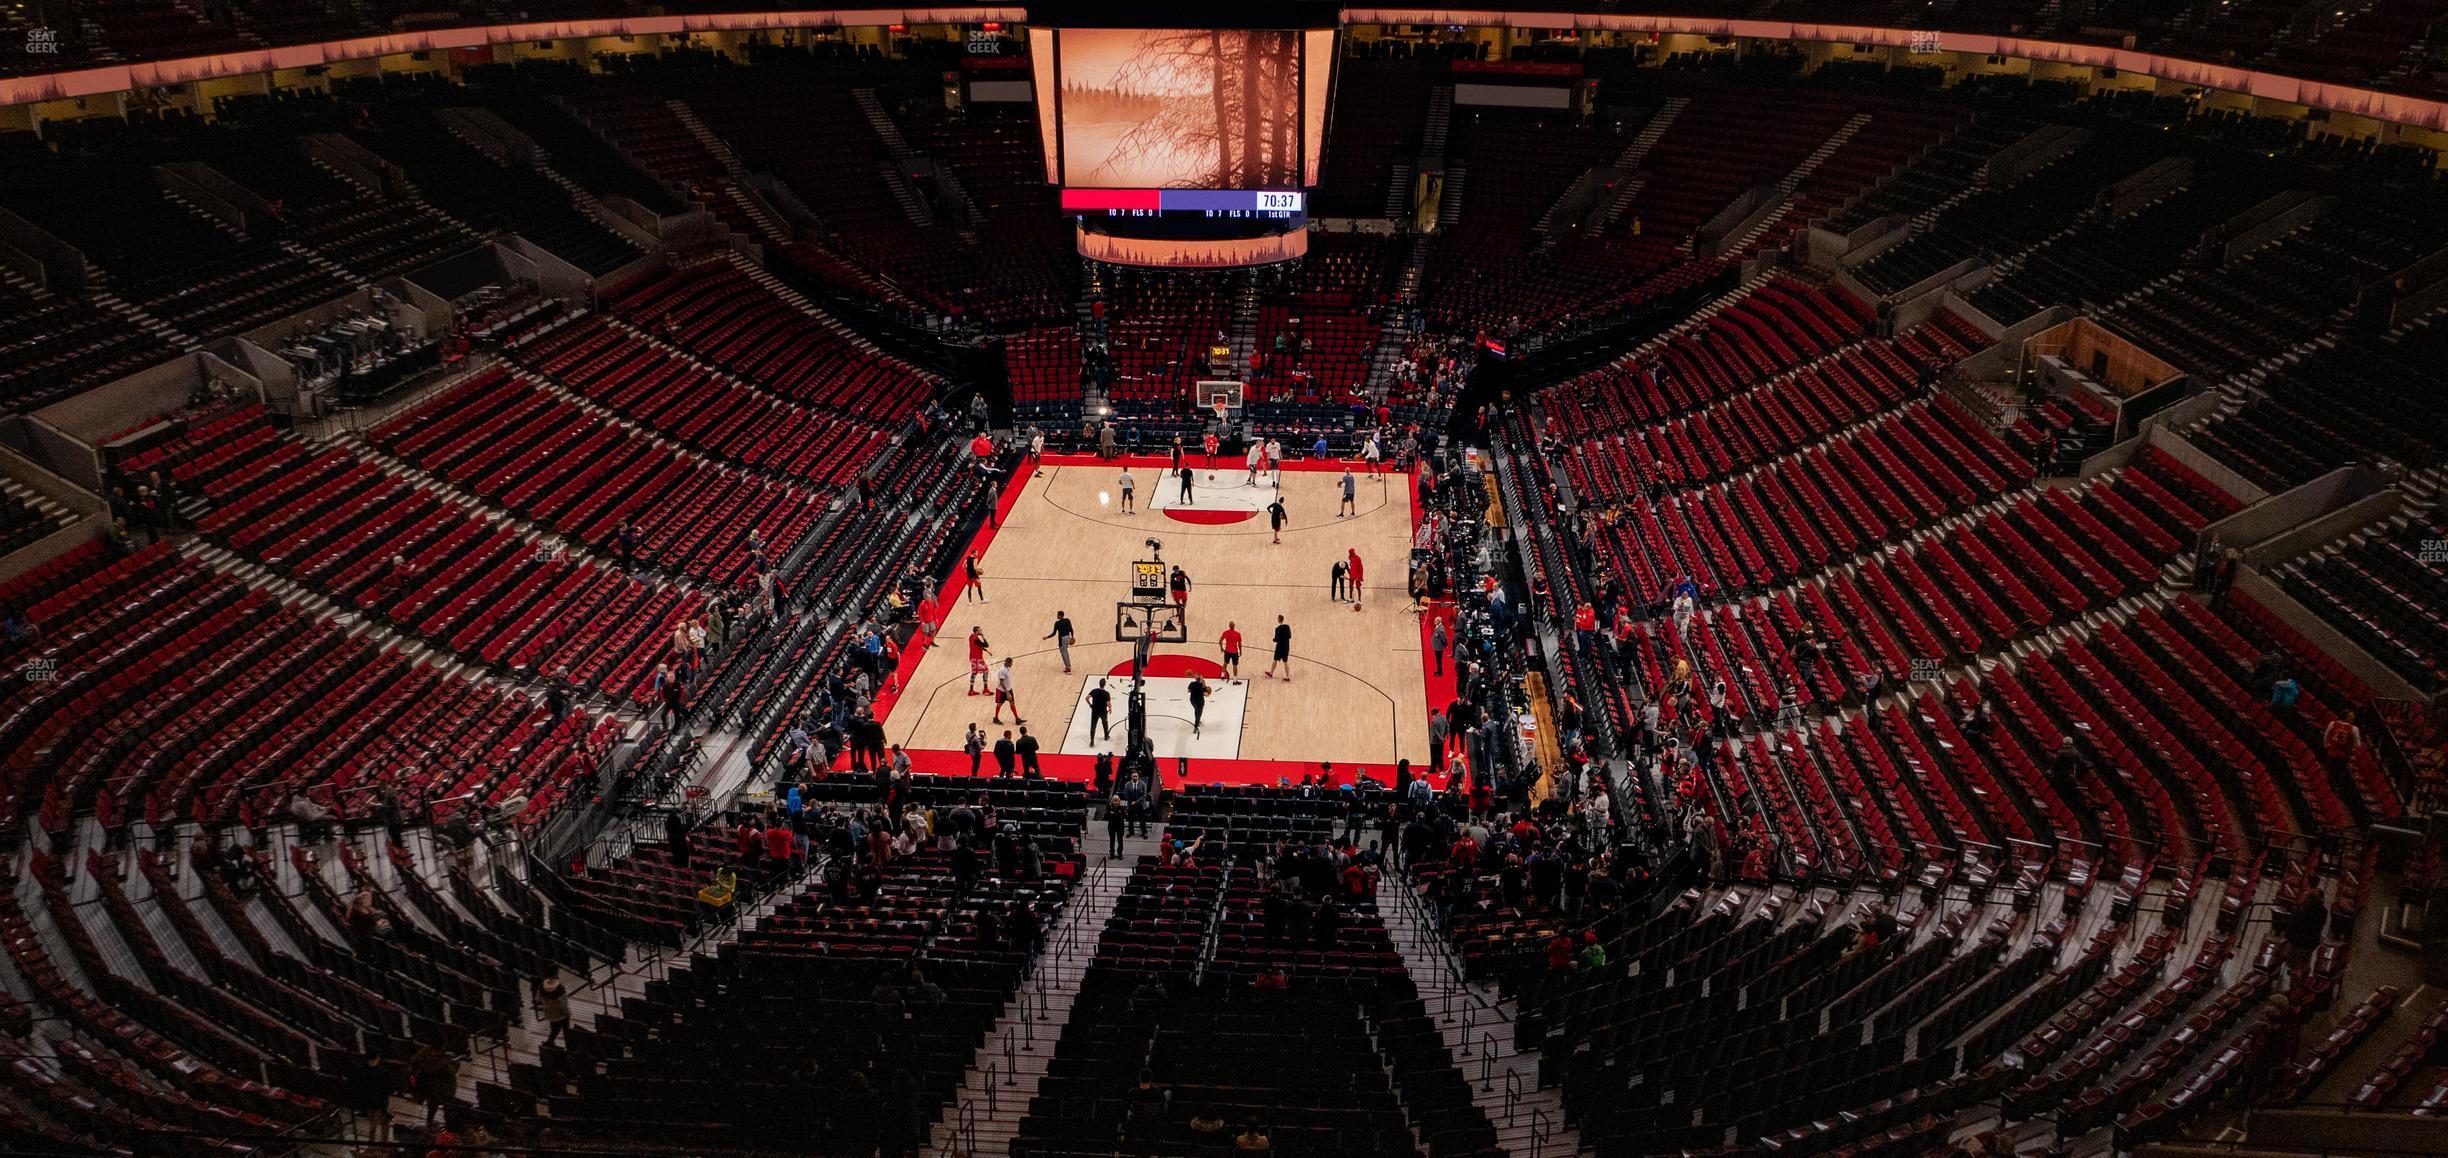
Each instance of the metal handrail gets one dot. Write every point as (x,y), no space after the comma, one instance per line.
(1541,1131)
(1512,1094)
(1487,1061)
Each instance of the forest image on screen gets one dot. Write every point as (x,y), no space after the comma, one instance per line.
(1181,109)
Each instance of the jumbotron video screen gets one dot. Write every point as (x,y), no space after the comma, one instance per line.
(1207,108)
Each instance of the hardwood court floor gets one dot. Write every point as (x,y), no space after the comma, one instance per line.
(1358,693)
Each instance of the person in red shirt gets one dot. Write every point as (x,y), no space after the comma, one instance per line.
(983,447)
(1465,853)
(977,661)
(973,578)
(928,618)
(779,844)
(1352,574)
(1585,624)
(1210,443)
(1231,639)
(2340,738)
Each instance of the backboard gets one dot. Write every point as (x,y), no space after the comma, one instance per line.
(1132,620)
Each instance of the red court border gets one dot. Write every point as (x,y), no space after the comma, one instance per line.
(1059,766)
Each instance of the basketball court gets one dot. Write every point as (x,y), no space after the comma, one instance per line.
(1358,692)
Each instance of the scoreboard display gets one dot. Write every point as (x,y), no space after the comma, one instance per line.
(1184,147)
(1255,204)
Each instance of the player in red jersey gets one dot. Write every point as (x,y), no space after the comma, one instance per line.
(977,661)
(1231,640)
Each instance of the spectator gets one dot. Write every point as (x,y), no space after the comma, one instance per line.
(433,1077)
(367,1095)
(2284,693)
(1006,755)
(552,1008)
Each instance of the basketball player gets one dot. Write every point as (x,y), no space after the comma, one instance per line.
(1198,703)
(1274,460)
(973,588)
(1003,693)
(1127,483)
(977,660)
(1231,639)
(1062,636)
(1100,709)
(1351,503)
(1351,573)
(1283,650)
(1209,444)
(1181,587)
(1257,457)
(1184,474)
(1371,453)
(1275,516)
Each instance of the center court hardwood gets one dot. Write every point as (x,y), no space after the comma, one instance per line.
(1358,693)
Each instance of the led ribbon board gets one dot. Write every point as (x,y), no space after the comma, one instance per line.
(1271,203)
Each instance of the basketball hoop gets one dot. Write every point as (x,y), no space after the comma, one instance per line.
(1221,396)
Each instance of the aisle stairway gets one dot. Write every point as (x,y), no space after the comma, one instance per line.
(986,1111)
(1792,181)
(713,144)
(1628,162)
(1478,1029)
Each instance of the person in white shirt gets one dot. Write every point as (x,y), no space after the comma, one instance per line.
(1257,454)
(1127,483)
(1003,693)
